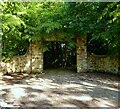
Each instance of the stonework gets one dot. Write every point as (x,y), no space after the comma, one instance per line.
(32,61)
(37,58)
(102,63)
(81,50)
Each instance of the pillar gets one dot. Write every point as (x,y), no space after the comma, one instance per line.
(36,58)
(81,54)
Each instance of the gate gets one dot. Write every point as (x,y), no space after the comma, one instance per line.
(59,55)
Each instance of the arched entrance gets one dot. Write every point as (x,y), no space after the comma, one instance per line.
(59,54)
(34,59)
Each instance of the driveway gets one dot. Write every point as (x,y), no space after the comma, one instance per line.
(59,88)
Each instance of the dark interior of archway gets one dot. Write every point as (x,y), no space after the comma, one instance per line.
(59,55)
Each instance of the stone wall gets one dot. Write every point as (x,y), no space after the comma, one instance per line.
(32,61)
(102,63)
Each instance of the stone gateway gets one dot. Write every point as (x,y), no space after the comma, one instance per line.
(33,60)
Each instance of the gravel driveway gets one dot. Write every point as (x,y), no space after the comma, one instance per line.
(59,88)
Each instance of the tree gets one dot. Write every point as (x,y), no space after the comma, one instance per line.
(99,21)
(12,28)
(25,22)
(110,35)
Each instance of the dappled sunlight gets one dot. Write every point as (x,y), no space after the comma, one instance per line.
(43,97)
(88,84)
(8,66)
(82,97)
(5,87)
(89,87)
(13,68)
(3,104)
(105,102)
(37,87)
(17,92)
(109,88)
(71,85)
(8,77)
(27,66)
(57,89)
(112,83)
(68,105)
(40,66)
(33,59)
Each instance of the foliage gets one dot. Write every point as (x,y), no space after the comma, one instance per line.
(99,21)
(25,22)
(43,19)
(110,35)
(12,28)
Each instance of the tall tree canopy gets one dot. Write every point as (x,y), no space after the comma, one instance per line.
(23,22)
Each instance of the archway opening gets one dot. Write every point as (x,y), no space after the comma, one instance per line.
(59,55)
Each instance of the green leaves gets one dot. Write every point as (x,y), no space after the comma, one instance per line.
(26,21)
(112,22)
(13,29)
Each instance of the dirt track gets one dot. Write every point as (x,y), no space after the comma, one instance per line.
(59,88)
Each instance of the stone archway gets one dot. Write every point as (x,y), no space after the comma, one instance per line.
(33,61)
(81,52)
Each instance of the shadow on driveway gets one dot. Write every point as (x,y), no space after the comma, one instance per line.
(58,88)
